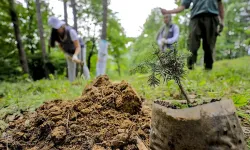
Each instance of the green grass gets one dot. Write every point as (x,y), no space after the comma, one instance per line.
(229,79)
(30,95)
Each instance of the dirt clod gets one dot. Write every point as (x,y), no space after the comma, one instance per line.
(107,116)
(58,133)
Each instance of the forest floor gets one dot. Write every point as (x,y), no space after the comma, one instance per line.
(228,80)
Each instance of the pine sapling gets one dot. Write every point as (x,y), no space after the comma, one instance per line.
(168,65)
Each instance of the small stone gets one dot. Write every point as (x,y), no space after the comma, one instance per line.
(96,147)
(86,111)
(121,130)
(27,123)
(126,124)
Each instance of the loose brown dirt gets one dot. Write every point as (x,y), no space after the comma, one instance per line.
(107,116)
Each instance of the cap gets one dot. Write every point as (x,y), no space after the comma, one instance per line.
(55,22)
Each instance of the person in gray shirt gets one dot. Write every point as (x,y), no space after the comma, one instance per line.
(168,34)
(69,43)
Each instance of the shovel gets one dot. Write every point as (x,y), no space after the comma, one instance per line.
(76,61)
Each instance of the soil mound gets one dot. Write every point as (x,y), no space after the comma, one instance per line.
(107,116)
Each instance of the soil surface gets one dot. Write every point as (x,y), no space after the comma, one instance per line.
(107,116)
(181,104)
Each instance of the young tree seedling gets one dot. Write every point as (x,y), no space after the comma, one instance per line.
(168,65)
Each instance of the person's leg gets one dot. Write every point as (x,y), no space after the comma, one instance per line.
(71,70)
(209,40)
(194,41)
(85,67)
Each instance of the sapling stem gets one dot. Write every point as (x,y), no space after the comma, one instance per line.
(182,90)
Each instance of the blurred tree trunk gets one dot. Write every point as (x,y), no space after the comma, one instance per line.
(73,4)
(118,67)
(41,32)
(103,46)
(66,21)
(30,34)
(105,15)
(91,53)
(65,11)
(21,52)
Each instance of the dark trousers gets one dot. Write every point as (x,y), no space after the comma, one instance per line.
(203,26)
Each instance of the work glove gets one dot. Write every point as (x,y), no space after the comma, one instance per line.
(74,58)
(164,41)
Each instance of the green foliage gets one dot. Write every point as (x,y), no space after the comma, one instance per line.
(231,43)
(89,13)
(240,100)
(142,46)
(117,48)
(168,65)
(178,105)
(29,32)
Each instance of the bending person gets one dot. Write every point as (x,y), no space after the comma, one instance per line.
(68,42)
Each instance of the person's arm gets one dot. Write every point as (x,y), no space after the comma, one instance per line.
(77,46)
(75,39)
(175,36)
(184,5)
(174,11)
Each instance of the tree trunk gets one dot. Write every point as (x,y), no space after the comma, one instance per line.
(104,16)
(30,34)
(21,52)
(66,21)
(42,40)
(65,11)
(117,60)
(118,67)
(73,4)
(103,46)
(91,53)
